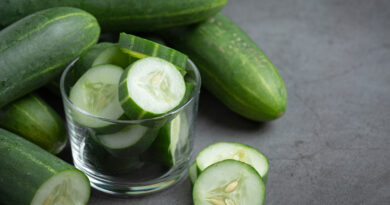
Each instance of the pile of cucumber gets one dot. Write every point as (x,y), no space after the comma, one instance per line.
(132,79)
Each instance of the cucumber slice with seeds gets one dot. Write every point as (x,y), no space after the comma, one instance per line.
(229,182)
(96,92)
(150,87)
(138,48)
(229,150)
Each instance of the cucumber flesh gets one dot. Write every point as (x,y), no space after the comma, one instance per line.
(67,187)
(150,87)
(193,172)
(229,150)
(229,182)
(96,92)
(127,137)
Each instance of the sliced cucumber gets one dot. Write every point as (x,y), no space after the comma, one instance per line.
(229,182)
(193,172)
(96,92)
(138,47)
(229,150)
(131,140)
(67,187)
(171,137)
(150,87)
(112,55)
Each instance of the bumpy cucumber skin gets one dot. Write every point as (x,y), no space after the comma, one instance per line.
(233,68)
(265,175)
(31,118)
(25,167)
(194,192)
(122,15)
(146,47)
(35,49)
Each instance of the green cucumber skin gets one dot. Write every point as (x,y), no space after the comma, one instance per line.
(150,48)
(122,15)
(35,49)
(233,68)
(25,167)
(132,110)
(33,119)
(160,149)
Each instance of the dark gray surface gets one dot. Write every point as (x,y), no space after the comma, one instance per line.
(333,144)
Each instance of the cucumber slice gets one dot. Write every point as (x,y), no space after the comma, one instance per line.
(140,48)
(193,172)
(229,182)
(150,87)
(131,140)
(67,187)
(171,137)
(229,150)
(112,55)
(96,92)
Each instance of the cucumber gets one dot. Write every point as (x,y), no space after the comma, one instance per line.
(171,137)
(150,87)
(233,67)
(138,48)
(132,140)
(193,172)
(122,15)
(229,182)
(230,150)
(96,93)
(33,119)
(30,175)
(35,49)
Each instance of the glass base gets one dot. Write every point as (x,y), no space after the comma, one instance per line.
(127,185)
(135,190)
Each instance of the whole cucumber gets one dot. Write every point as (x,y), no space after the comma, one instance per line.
(122,15)
(233,67)
(35,49)
(33,119)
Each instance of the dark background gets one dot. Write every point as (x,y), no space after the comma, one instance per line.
(333,144)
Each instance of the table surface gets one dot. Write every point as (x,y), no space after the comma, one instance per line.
(333,144)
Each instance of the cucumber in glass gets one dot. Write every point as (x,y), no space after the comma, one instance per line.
(150,87)
(96,93)
(229,182)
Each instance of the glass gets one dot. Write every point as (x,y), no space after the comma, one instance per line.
(146,165)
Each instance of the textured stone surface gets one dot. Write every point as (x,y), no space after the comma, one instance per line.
(333,144)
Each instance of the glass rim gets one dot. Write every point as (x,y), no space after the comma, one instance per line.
(172,112)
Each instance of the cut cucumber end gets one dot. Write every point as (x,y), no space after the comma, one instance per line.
(229,182)
(230,150)
(150,87)
(96,92)
(67,187)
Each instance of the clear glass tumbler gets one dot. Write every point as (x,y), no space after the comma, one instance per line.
(124,162)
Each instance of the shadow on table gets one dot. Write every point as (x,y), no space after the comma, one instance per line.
(211,109)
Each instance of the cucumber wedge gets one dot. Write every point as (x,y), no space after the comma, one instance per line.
(112,55)
(172,137)
(96,93)
(138,48)
(30,175)
(131,140)
(193,172)
(150,87)
(229,182)
(229,150)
